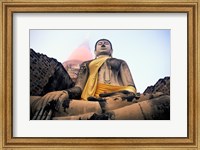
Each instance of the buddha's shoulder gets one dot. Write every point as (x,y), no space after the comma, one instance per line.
(113,60)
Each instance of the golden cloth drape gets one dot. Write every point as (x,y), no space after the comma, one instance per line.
(107,88)
(93,88)
(91,84)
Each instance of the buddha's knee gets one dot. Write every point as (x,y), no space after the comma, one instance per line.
(85,116)
(78,107)
(155,109)
(115,102)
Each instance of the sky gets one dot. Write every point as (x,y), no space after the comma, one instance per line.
(147,52)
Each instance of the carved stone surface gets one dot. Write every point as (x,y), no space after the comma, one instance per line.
(154,109)
(72,67)
(47,74)
(162,85)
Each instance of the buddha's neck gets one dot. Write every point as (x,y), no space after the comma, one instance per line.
(102,56)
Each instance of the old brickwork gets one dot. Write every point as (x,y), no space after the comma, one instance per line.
(162,85)
(47,74)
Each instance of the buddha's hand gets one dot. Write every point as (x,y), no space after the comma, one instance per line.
(49,103)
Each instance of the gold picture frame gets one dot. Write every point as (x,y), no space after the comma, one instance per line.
(191,7)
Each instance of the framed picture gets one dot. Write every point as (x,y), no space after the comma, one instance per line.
(24,24)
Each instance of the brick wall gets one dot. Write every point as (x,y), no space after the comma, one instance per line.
(47,74)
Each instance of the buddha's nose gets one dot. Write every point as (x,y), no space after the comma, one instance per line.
(103,45)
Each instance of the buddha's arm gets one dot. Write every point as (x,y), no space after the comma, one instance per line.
(126,76)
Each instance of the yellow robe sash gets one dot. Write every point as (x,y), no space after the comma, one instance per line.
(91,84)
(107,88)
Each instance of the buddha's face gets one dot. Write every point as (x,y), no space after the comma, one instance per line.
(103,47)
